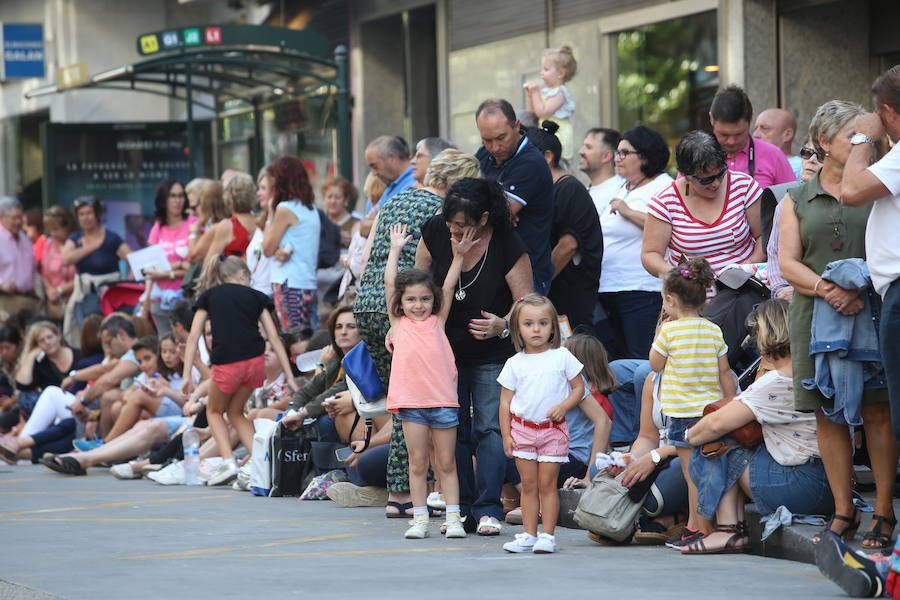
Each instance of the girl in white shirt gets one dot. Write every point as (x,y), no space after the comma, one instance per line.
(539,385)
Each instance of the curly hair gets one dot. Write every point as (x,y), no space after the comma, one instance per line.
(449,166)
(290,181)
(689,281)
(239,192)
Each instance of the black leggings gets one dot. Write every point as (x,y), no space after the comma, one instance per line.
(174,448)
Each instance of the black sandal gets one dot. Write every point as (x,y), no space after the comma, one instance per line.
(876,534)
(847,533)
(67,465)
(731,544)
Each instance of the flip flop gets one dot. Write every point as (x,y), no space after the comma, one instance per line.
(401,510)
(65,465)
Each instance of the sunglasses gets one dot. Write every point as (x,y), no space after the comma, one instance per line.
(808,153)
(711,178)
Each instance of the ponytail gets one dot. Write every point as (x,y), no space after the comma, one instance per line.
(218,268)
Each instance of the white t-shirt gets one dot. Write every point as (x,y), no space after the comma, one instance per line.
(882,250)
(540,381)
(259,264)
(790,436)
(602,193)
(622,270)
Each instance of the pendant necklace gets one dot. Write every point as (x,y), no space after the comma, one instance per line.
(461,289)
(837,243)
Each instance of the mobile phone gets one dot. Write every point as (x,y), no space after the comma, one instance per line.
(342,454)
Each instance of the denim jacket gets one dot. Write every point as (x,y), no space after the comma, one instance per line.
(845,349)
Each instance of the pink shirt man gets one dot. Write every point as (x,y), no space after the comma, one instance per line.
(770,167)
(16,261)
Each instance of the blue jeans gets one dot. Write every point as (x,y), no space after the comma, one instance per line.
(56,439)
(479,435)
(626,400)
(890,349)
(677,427)
(371,467)
(630,322)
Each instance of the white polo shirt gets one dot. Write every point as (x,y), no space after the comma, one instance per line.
(882,249)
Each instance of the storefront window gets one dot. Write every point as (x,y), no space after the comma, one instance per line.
(668,75)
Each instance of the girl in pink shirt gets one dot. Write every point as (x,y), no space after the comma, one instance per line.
(422,388)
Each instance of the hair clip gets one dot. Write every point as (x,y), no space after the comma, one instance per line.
(685,272)
(519,299)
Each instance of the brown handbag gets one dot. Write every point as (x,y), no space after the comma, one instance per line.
(749,435)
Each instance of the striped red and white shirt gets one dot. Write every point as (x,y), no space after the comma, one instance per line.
(726,241)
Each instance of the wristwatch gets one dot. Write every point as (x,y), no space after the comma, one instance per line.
(861,138)
(655,457)
(505,333)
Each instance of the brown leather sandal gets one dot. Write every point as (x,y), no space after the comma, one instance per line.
(736,544)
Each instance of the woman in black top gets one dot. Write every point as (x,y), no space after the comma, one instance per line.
(576,239)
(46,361)
(495,271)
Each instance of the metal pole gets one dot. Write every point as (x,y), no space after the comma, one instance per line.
(345,165)
(192,146)
(257,160)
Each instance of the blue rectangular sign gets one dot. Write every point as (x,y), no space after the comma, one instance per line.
(23,50)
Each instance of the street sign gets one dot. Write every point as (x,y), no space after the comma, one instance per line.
(232,35)
(23,50)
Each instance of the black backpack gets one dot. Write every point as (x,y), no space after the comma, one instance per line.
(737,293)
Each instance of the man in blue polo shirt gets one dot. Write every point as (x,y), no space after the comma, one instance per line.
(520,168)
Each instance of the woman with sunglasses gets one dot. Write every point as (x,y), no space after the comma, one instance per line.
(709,213)
(817,229)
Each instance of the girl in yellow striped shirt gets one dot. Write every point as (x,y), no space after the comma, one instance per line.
(690,353)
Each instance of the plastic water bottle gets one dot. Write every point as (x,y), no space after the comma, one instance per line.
(190,441)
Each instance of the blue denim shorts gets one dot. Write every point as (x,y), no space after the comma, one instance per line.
(168,408)
(172,423)
(443,417)
(677,427)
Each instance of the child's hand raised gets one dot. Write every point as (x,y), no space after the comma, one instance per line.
(464,244)
(399,238)
(556,414)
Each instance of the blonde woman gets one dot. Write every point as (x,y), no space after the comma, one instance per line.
(231,236)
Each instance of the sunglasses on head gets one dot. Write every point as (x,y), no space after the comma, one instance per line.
(711,178)
(808,153)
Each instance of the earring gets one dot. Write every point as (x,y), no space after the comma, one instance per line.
(687,189)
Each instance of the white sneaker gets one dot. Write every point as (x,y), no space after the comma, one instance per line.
(242,481)
(124,471)
(454,526)
(227,471)
(523,542)
(435,501)
(545,544)
(418,529)
(172,474)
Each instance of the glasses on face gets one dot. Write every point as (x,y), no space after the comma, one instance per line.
(807,153)
(711,178)
(623,154)
(176,194)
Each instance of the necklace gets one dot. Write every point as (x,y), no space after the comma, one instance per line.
(836,221)
(461,289)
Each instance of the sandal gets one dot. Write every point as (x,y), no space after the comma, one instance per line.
(876,537)
(735,544)
(9,450)
(847,533)
(487,524)
(67,465)
(401,510)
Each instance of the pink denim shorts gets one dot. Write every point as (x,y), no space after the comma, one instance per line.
(550,444)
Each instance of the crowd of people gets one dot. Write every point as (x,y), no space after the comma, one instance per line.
(524,325)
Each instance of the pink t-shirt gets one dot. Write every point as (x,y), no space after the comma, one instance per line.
(52,267)
(175,244)
(725,241)
(423,370)
(770,165)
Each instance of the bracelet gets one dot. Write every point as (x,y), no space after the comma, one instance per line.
(816,287)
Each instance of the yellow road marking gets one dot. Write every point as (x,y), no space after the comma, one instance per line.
(111,505)
(31,479)
(84,493)
(348,552)
(206,551)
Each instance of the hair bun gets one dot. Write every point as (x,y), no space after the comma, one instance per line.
(567,49)
(550,127)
